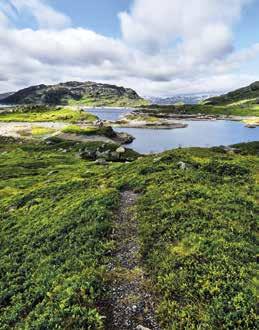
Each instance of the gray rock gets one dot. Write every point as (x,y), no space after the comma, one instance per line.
(157,160)
(140,327)
(103,154)
(12,208)
(182,165)
(101,161)
(120,150)
(88,154)
(114,155)
(231,149)
(52,172)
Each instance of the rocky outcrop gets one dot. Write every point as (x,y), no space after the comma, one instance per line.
(245,93)
(86,93)
(108,153)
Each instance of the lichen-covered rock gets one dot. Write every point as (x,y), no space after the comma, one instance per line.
(101,161)
(182,165)
(120,150)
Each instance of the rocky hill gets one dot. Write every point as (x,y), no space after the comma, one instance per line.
(4,95)
(241,94)
(72,93)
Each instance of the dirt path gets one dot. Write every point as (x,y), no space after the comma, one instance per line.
(131,304)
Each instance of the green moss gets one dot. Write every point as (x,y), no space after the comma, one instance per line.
(196,228)
(137,117)
(109,102)
(42,131)
(74,129)
(245,108)
(45,114)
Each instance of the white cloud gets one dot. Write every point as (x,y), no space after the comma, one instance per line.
(182,46)
(45,16)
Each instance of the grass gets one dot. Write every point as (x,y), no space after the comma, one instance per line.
(37,114)
(54,237)
(74,129)
(149,119)
(197,235)
(36,131)
(244,108)
(111,102)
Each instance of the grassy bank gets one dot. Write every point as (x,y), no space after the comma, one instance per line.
(244,108)
(197,235)
(88,131)
(45,114)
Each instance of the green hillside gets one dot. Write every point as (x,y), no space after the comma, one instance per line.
(196,233)
(244,94)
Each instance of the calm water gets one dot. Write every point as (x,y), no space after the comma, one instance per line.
(109,113)
(197,134)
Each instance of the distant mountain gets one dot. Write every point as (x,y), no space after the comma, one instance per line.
(72,93)
(186,99)
(241,94)
(5,95)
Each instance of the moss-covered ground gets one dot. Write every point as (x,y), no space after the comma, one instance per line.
(45,114)
(109,102)
(196,232)
(244,108)
(75,129)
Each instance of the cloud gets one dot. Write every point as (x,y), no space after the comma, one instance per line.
(46,17)
(151,25)
(180,46)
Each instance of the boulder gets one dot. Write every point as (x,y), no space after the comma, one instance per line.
(101,161)
(103,154)
(120,150)
(157,160)
(114,155)
(88,154)
(140,327)
(182,165)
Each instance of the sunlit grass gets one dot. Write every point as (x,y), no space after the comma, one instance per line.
(63,115)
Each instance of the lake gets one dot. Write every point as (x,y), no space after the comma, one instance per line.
(109,113)
(198,133)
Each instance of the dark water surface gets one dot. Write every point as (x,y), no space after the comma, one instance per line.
(197,134)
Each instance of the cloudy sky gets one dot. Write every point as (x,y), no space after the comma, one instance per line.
(157,47)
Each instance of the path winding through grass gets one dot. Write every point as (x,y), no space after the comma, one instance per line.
(132,306)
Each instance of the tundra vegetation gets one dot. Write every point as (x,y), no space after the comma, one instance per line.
(92,130)
(241,102)
(196,223)
(35,113)
(249,107)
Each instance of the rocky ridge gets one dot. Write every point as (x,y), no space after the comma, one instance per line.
(245,93)
(85,93)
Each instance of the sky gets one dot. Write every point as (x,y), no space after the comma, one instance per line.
(158,48)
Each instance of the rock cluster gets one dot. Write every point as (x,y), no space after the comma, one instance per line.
(102,155)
